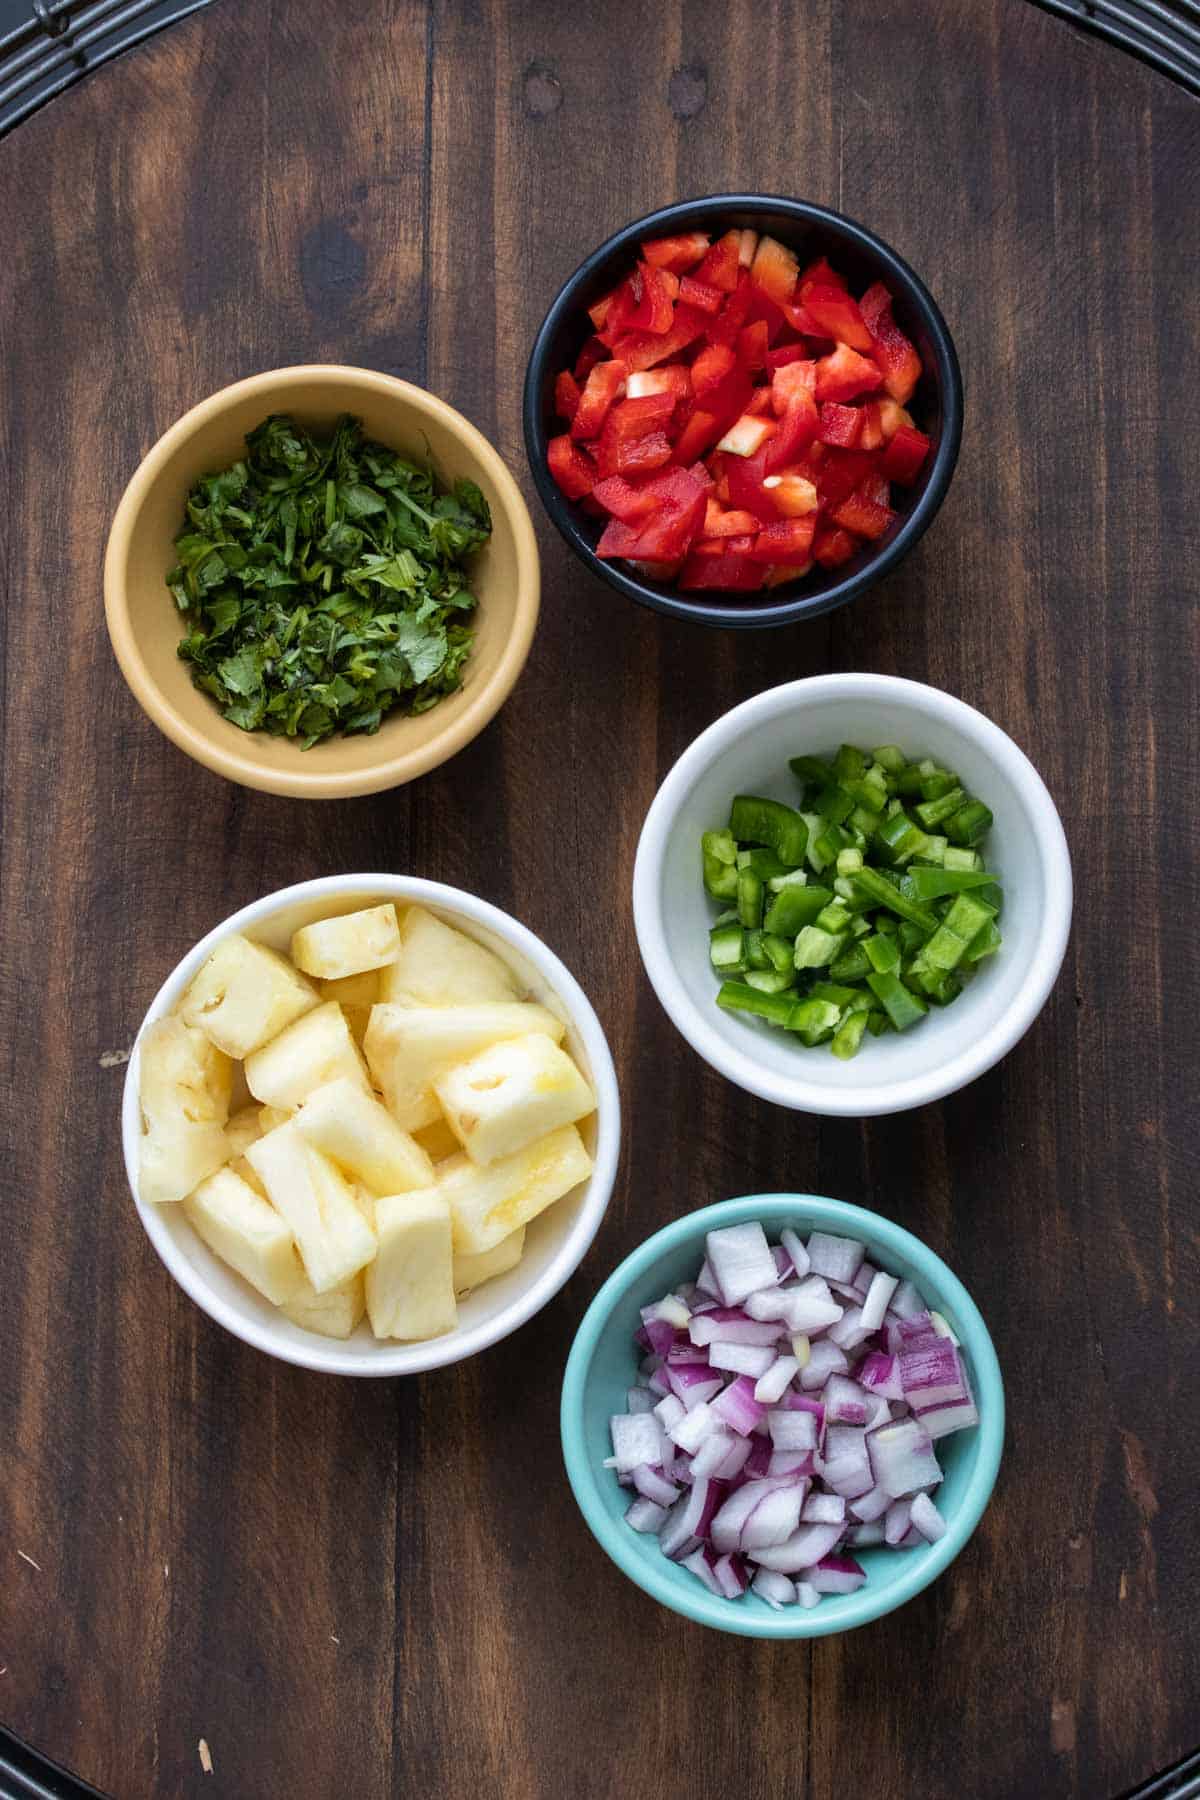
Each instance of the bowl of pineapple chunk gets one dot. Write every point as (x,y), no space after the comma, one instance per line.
(371,1124)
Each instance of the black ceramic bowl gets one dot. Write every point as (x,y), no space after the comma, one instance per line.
(810,231)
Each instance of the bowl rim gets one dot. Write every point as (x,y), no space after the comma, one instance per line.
(311,782)
(733,614)
(873,1098)
(866,1605)
(325,1354)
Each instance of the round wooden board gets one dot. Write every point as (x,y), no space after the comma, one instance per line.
(386,1589)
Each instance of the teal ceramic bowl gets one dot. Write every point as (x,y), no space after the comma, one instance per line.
(603,1364)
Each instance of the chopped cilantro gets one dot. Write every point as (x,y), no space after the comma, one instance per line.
(323,583)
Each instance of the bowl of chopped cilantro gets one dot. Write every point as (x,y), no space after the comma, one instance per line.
(321,582)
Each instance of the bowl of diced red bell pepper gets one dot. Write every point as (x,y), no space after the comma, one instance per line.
(743,410)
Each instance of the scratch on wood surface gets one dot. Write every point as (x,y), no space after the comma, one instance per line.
(206,1761)
(30,1561)
(112,1059)
(1137,1476)
(1123,1585)
(1062,1728)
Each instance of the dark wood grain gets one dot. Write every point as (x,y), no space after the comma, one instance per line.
(385,1589)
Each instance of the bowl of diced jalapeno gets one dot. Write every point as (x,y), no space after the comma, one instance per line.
(853,894)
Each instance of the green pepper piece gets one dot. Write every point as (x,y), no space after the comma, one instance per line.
(934,884)
(778,951)
(739,996)
(833,917)
(816,948)
(889,757)
(749,898)
(872,883)
(968,916)
(986,944)
(852,965)
(849,1035)
(939,782)
(726,949)
(902,1007)
(754,820)
(765,864)
(970,824)
(793,878)
(911,936)
(878,1023)
(771,981)
(849,763)
(883,953)
(720,864)
(794,908)
(908,779)
(933,812)
(834,992)
(811,770)
(755,956)
(897,838)
(814,1020)
(957,858)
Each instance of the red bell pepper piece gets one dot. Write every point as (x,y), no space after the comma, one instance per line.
(710,368)
(618,540)
(840,472)
(604,383)
(701,474)
(707,546)
(893,352)
(797,429)
(760,402)
(682,501)
(571,468)
(801,320)
(836,315)
(599,312)
(718,523)
(656,303)
(630,419)
(790,381)
(752,346)
(745,476)
(762,310)
(720,267)
(833,548)
(875,486)
(700,433)
(865,517)
(642,349)
(634,456)
(840,425)
(700,294)
(794,495)
(904,456)
(673,378)
(872,435)
(677,253)
(892,415)
(823,273)
(566,395)
(724,328)
(624,501)
(774,269)
(786,542)
(845,374)
(593,351)
(732,572)
(783,354)
(619,313)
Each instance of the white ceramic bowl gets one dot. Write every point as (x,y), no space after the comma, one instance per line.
(555,1243)
(747,751)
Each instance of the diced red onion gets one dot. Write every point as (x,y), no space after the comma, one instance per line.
(771,1384)
(659,1336)
(879,1411)
(776,1590)
(912,1540)
(845,1402)
(657,1381)
(927,1519)
(939,1421)
(759,1460)
(683,1352)
(863,1277)
(871,1505)
(837,1575)
(943,1327)
(700,1563)
(669,1411)
(861,1537)
(691,1518)
(653,1485)
(931,1373)
(847,1466)
(825,1359)
(775,1517)
(740,1259)
(794,1246)
(881,1374)
(693,1429)
(823,1509)
(730,1572)
(737,1406)
(874,1307)
(792,1430)
(742,1359)
(644,1515)
(736,1459)
(907,1301)
(802,1550)
(731,1517)
(639,1400)
(791,1462)
(897,1521)
(713,1452)
(783,1262)
(706,1281)
(807,1594)
(730,1325)
(837,1258)
(849,1331)
(693,1383)
(636,1438)
(902,1457)
(672,1308)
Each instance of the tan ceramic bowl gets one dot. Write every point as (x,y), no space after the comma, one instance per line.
(145,626)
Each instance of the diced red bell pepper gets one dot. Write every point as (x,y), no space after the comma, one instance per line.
(624,501)
(840,472)
(760,402)
(634,456)
(701,474)
(618,540)
(682,502)
(635,418)
(720,266)
(600,311)
(822,273)
(730,398)
(700,433)
(801,320)
(836,314)
(732,572)
(720,523)
(700,294)
(747,435)
(845,374)
(905,455)
(677,253)
(707,546)
(604,383)
(656,307)
(593,351)
(774,269)
(893,352)
(571,468)
(871,436)
(794,495)
(841,425)
(865,517)
(875,486)
(786,542)
(762,310)
(674,379)
(642,349)
(783,354)
(566,395)
(622,305)
(728,323)
(752,346)
(745,476)
(892,415)
(797,429)
(791,381)
(710,368)
(833,548)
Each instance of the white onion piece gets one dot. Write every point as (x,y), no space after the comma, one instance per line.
(714,1452)
(639,1400)
(792,1430)
(732,1515)
(824,1359)
(774,1518)
(902,1457)
(692,1429)
(636,1438)
(644,1515)
(742,1359)
(731,1576)
(837,1258)
(907,1301)
(735,1460)
(773,1382)
(795,1249)
(807,1594)
(700,1564)
(849,1331)
(874,1307)
(652,1484)
(870,1506)
(897,1521)
(823,1509)
(776,1590)
(802,1550)
(669,1411)
(741,1261)
(927,1519)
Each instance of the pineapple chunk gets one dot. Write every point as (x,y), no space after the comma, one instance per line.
(407,1046)
(510,1094)
(439,966)
(472,1271)
(486,1205)
(333,1237)
(242,1130)
(245,995)
(361,1135)
(410,1285)
(246,1232)
(356,995)
(184,1086)
(334,1313)
(316,1050)
(349,945)
(271,1116)
(437,1140)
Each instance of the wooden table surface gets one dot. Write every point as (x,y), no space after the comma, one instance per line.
(385,1589)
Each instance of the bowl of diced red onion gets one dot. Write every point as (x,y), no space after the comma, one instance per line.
(782,1416)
